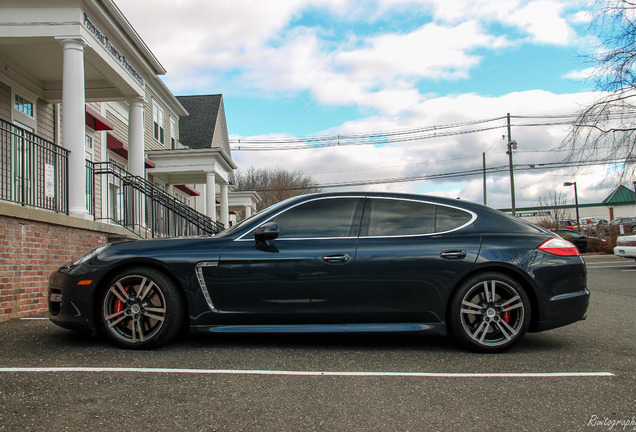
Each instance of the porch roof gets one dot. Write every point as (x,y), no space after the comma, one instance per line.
(117,61)
(191,166)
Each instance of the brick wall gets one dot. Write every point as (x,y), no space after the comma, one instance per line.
(29,252)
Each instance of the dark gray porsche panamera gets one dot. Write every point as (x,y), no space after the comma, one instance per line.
(333,262)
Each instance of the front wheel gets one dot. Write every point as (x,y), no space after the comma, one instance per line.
(489,312)
(141,308)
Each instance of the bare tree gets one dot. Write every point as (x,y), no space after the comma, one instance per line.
(275,185)
(608,126)
(554,207)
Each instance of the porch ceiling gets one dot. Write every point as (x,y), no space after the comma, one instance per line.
(36,64)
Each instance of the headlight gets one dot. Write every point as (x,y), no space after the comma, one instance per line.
(88,255)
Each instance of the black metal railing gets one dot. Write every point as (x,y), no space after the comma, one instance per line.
(33,171)
(140,206)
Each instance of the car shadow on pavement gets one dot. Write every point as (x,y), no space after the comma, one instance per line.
(61,339)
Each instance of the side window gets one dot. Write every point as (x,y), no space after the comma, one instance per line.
(449,218)
(320,218)
(389,217)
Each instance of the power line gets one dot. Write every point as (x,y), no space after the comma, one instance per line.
(466,173)
(370,138)
(408,135)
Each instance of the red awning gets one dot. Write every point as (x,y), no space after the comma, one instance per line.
(121,149)
(188,189)
(116,146)
(96,121)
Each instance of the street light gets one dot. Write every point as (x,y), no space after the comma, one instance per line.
(576,201)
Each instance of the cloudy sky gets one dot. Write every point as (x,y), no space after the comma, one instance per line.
(387,68)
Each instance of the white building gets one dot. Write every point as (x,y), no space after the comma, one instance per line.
(78,84)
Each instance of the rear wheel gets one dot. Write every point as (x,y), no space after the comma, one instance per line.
(141,308)
(489,312)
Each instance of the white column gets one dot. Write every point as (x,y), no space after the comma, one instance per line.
(210,195)
(136,153)
(74,124)
(225,208)
(248,211)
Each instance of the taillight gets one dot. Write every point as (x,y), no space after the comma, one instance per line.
(560,247)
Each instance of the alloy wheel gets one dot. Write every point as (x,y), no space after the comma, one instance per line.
(134,309)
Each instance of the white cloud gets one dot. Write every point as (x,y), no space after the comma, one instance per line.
(431,51)
(544,21)
(242,45)
(246,46)
(581,17)
(450,154)
(581,74)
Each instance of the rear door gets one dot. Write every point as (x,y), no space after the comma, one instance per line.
(410,255)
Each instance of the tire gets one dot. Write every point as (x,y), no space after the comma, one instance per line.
(489,312)
(141,308)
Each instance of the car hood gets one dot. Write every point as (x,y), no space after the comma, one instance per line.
(167,248)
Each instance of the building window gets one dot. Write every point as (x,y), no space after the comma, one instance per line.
(88,147)
(115,195)
(157,117)
(173,134)
(23,105)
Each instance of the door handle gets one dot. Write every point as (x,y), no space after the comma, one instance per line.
(453,254)
(336,258)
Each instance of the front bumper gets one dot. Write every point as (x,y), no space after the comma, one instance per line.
(70,301)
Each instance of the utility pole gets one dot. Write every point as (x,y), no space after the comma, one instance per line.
(576,200)
(484,163)
(511,145)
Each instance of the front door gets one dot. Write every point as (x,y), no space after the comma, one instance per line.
(304,276)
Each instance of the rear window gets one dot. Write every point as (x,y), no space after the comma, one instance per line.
(392,217)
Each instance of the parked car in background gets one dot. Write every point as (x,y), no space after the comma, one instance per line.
(582,242)
(568,224)
(587,222)
(628,223)
(333,262)
(626,247)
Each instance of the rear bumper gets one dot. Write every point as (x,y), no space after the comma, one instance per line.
(564,309)
(625,251)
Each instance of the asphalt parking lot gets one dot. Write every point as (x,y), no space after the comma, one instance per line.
(580,377)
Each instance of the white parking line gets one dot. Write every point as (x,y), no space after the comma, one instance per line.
(607,266)
(308,373)
(622,268)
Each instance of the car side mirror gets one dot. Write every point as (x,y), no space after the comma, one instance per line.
(266,232)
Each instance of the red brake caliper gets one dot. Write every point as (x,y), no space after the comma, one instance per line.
(119,306)
(506,316)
